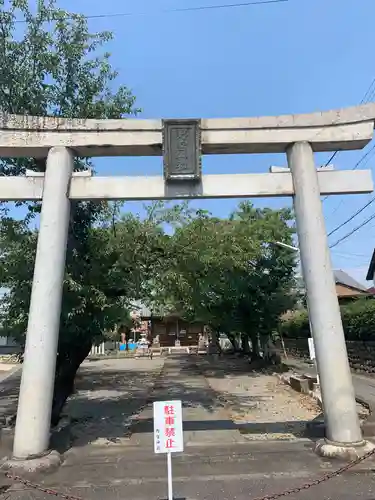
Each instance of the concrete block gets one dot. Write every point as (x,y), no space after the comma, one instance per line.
(299,384)
(312,381)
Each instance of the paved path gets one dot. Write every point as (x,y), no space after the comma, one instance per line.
(219,462)
(9,388)
(244,474)
(364,385)
(107,393)
(230,472)
(205,419)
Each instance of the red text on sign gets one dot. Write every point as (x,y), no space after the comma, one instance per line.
(169,444)
(169,410)
(170,432)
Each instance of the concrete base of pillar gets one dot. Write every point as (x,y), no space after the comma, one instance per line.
(45,463)
(330,449)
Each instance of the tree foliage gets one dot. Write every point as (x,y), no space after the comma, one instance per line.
(51,65)
(358,318)
(228,274)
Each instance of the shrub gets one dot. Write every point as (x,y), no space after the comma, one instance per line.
(358,320)
(296,326)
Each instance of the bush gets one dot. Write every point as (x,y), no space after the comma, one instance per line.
(296,326)
(358,319)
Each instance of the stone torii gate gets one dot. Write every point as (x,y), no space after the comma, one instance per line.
(181,143)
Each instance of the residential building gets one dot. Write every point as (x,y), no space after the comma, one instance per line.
(169,328)
(347,288)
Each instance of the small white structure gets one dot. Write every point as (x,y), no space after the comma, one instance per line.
(371,270)
(98,350)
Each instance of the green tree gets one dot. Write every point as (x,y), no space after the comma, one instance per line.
(123,259)
(51,65)
(268,290)
(226,272)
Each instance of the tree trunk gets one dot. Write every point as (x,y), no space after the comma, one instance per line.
(265,343)
(68,361)
(215,341)
(270,352)
(245,344)
(255,346)
(232,339)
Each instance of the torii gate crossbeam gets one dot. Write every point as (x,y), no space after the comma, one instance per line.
(132,188)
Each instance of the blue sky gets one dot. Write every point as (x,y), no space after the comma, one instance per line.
(299,56)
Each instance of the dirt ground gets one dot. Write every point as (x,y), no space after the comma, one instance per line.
(260,403)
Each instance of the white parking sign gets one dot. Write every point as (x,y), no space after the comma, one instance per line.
(168,433)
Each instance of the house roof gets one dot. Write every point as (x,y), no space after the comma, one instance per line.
(371,269)
(343,278)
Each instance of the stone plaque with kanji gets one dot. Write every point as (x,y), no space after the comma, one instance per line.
(182,149)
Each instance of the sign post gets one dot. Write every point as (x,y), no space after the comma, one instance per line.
(168,433)
(170,482)
(312,356)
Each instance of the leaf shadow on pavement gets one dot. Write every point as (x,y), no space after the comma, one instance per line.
(9,389)
(100,411)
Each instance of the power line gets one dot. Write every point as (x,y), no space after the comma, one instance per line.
(352,217)
(332,157)
(369,95)
(364,157)
(349,219)
(355,166)
(360,226)
(346,254)
(167,11)
(369,92)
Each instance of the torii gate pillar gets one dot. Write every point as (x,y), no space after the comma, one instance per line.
(343,432)
(37,384)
